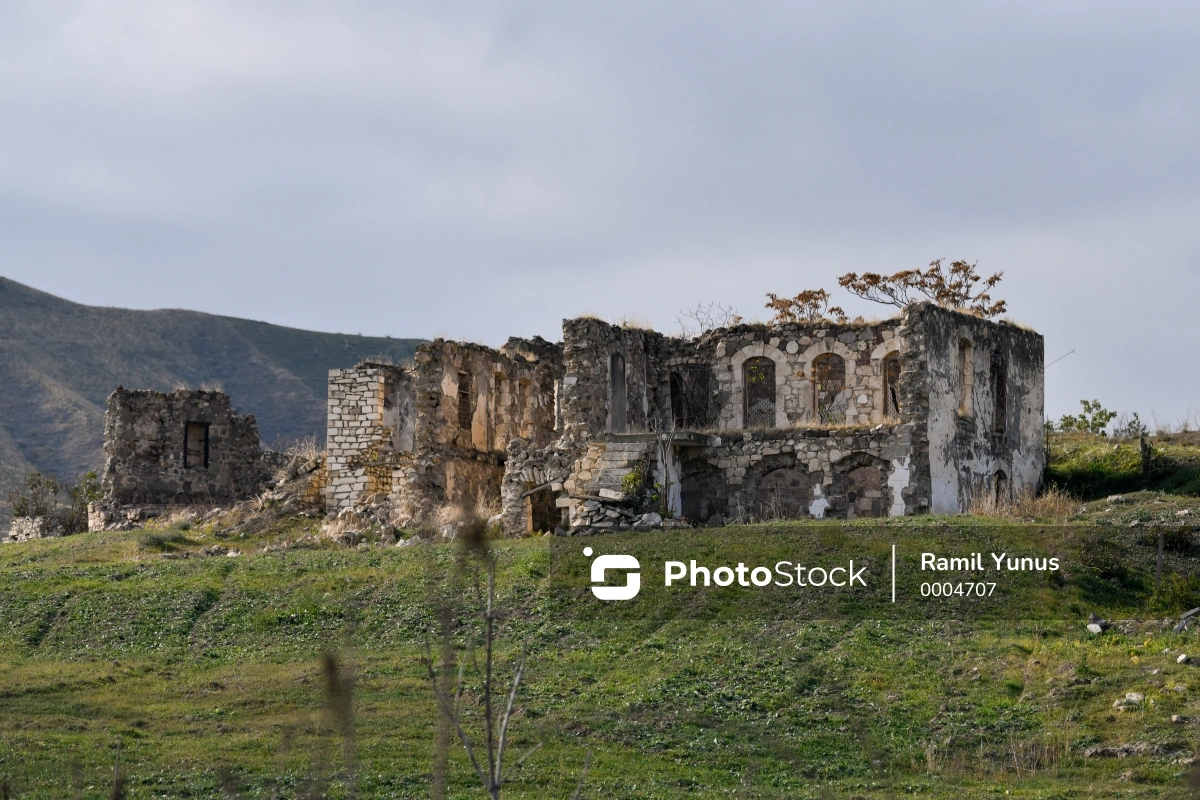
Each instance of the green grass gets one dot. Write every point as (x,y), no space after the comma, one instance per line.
(1094,467)
(202,664)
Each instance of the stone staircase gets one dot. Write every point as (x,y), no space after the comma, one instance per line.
(605,465)
(617,461)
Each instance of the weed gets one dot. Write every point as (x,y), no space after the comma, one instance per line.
(162,541)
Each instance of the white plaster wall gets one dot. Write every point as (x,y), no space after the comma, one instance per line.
(956,479)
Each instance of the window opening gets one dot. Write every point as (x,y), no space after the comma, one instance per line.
(618,402)
(689,397)
(966,377)
(195,445)
(758,375)
(464,401)
(999,394)
(891,385)
(829,383)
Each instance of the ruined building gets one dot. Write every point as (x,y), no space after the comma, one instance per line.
(923,413)
(188,447)
(927,412)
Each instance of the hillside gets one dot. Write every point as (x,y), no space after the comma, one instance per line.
(60,360)
(204,665)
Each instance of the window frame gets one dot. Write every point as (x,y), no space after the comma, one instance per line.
(188,427)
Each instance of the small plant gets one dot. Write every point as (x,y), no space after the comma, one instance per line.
(1052,503)
(641,493)
(38,497)
(41,495)
(1094,419)
(1129,426)
(162,541)
(1177,593)
(810,306)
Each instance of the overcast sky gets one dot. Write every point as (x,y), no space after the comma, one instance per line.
(475,171)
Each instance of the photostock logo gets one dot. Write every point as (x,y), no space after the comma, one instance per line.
(633,580)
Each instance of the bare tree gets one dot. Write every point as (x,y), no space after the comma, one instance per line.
(704,318)
(475,552)
(954,288)
(811,305)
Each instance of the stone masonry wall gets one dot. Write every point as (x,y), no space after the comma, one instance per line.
(407,433)
(793,348)
(370,419)
(588,347)
(801,473)
(23,529)
(144,449)
(512,396)
(650,358)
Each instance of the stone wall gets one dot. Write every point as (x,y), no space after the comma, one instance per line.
(969,454)
(534,482)
(757,475)
(589,347)
(146,435)
(753,476)
(857,351)
(435,436)
(23,529)
(797,420)
(371,419)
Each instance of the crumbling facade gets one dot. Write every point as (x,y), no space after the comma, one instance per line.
(162,450)
(926,412)
(434,436)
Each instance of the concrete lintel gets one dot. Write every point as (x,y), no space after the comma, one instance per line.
(679,439)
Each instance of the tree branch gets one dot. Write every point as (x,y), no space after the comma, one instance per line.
(512,696)
(453,717)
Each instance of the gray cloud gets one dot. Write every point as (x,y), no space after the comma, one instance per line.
(430,169)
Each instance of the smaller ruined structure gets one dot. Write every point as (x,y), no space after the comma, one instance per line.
(165,450)
(23,529)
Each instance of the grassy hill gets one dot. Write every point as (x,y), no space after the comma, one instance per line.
(207,671)
(60,360)
(1092,467)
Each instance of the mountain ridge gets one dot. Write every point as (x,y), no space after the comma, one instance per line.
(59,361)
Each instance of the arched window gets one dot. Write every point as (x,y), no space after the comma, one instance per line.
(618,404)
(689,397)
(1000,485)
(966,377)
(829,384)
(999,376)
(758,378)
(891,385)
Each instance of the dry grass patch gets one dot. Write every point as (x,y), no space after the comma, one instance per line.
(1053,504)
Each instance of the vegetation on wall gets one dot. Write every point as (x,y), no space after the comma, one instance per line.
(956,287)
(810,306)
